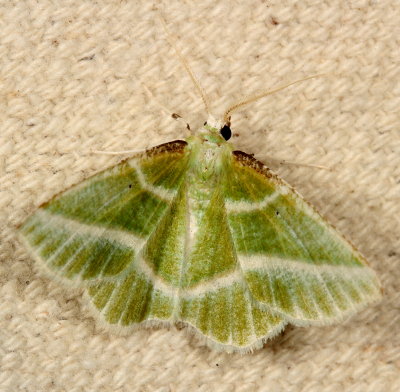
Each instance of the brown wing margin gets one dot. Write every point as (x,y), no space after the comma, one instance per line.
(174,146)
(249,160)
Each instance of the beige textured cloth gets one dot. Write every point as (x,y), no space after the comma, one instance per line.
(71,80)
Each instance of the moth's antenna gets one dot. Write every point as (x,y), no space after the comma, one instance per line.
(254,98)
(187,67)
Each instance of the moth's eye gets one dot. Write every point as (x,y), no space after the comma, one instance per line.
(226,132)
(205,123)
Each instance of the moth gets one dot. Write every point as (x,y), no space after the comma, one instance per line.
(196,232)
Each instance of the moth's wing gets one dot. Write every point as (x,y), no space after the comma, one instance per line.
(95,233)
(294,262)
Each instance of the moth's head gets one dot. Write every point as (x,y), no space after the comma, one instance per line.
(215,131)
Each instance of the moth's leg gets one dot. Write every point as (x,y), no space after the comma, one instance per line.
(166,110)
(278,161)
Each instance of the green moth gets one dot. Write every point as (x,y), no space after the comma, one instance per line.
(197,232)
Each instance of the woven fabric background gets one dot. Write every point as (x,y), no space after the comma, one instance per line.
(72,80)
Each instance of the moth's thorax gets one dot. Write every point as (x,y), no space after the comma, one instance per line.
(210,156)
(209,153)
